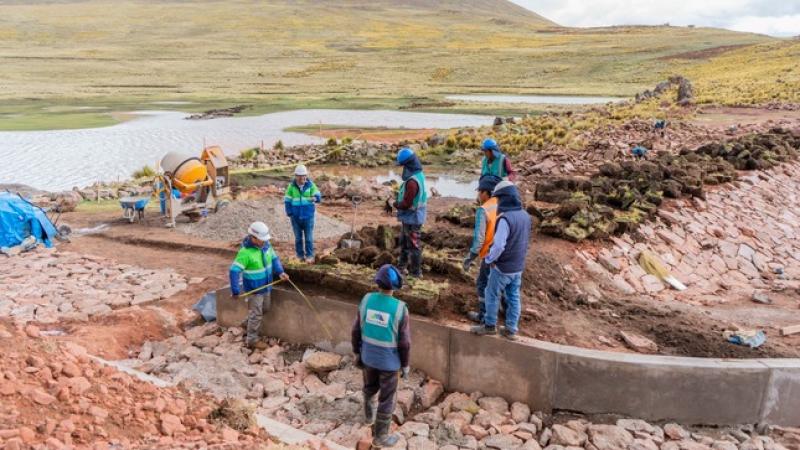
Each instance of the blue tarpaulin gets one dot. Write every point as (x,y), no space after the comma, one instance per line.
(20,219)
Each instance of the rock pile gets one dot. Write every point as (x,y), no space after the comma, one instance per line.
(52,395)
(684,86)
(739,240)
(319,392)
(348,153)
(621,196)
(48,285)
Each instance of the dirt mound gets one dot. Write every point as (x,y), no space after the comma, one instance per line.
(231,223)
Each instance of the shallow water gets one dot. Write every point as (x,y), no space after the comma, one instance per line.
(60,159)
(536,99)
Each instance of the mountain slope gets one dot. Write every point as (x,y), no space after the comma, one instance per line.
(293,53)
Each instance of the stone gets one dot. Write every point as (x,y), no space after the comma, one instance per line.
(531,428)
(170,424)
(638,343)
(323,362)
(96,411)
(567,437)
(419,443)
(405,399)
(675,432)
(230,435)
(430,392)
(412,428)
(531,445)
(474,430)
(652,284)
(79,385)
(487,419)
(41,397)
(761,297)
(545,437)
(609,437)
(494,404)
(520,412)
(643,444)
(611,264)
(501,441)
(724,445)
(636,425)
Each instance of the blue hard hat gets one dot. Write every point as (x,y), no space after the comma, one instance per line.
(388,277)
(488,183)
(489,144)
(404,155)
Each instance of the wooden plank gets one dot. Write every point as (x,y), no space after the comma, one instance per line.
(793,329)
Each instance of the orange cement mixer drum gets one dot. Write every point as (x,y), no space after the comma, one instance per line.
(186,169)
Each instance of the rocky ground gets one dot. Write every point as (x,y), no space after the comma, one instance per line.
(49,285)
(319,392)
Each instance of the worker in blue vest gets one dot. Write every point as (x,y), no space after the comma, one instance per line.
(411,205)
(495,162)
(506,261)
(299,200)
(381,339)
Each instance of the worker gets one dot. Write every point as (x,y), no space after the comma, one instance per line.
(495,162)
(381,339)
(256,263)
(639,152)
(485,219)
(301,196)
(506,261)
(411,204)
(660,127)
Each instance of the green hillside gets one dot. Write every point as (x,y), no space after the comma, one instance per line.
(299,53)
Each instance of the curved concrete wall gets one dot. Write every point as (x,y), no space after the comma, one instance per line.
(555,377)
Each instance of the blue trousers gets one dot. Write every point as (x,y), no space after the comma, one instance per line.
(509,284)
(303,237)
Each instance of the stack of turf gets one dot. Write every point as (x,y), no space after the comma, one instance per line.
(621,196)
(422,296)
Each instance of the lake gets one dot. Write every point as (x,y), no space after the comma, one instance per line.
(536,99)
(60,159)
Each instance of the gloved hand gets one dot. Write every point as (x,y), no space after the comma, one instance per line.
(359,364)
(406,370)
(468,261)
(387,207)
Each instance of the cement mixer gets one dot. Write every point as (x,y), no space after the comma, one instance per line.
(193,186)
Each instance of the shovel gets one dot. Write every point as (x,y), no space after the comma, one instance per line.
(352,242)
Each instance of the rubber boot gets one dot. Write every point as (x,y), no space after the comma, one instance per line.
(380,432)
(369,409)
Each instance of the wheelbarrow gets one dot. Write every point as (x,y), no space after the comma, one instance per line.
(133,207)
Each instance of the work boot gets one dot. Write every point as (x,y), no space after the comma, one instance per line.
(370,408)
(380,432)
(484,330)
(257,345)
(475,316)
(508,335)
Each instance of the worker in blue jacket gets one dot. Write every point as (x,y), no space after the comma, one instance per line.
(412,206)
(381,339)
(299,201)
(506,261)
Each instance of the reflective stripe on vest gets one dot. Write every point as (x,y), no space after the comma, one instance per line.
(496,168)
(298,197)
(422,194)
(490,207)
(380,319)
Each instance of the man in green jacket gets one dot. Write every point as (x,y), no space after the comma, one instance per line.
(256,263)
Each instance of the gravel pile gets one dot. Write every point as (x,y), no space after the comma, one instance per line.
(231,223)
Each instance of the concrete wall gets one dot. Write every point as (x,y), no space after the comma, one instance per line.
(555,377)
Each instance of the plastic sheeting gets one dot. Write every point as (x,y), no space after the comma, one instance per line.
(20,219)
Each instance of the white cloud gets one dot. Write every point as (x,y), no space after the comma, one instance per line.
(775,17)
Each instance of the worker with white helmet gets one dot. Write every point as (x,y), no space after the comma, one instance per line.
(257,264)
(301,195)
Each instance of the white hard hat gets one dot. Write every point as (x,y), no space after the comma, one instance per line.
(502,185)
(301,170)
(259,230)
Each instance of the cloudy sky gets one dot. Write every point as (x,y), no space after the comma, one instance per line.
(774,17)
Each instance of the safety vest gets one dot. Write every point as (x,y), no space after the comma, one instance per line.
(490,208)
(301,197)
(380,319)
(255,264)
(496,168)
(422,194)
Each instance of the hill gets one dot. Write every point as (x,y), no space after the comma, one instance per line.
(298,53)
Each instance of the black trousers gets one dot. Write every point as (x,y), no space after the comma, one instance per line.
(411,249)
(383,383)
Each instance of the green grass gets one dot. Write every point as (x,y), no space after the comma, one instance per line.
(282,55)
